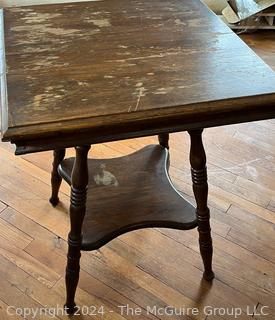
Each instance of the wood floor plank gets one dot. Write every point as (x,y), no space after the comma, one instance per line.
(127,285)
(2,206)
(13,235)
(29,264)
(50,250)
(39,210)
(261,229)
(84,299)
(143,280)
(37,294)
(27,167)
(6,312)
(115,299)
(263,312)
(254,269)
(173,273)
(251,243)
(17,299)
(228,268)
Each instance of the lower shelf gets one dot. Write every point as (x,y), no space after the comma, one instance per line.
(129,193)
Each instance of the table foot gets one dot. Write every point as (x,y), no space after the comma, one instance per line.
(54,201)
(70,309)
(200,188)
(209,276)
(58,156)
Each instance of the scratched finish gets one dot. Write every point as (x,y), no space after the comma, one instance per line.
(71,66)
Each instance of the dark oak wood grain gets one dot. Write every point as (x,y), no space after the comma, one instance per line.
(153,66)
(129,193)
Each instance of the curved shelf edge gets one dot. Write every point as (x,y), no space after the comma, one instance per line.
(130,193)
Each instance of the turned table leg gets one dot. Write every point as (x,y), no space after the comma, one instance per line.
(58,156)
(200,188)
(164,140)
(79,183)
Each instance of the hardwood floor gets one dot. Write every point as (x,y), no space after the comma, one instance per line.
(150,267)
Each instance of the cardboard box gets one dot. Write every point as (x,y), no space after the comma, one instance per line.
(251,14)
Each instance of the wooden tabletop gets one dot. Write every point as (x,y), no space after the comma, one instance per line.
(111,69)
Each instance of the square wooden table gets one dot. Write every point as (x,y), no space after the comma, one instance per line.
(78,74)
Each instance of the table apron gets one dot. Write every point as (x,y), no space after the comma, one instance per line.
(96,136)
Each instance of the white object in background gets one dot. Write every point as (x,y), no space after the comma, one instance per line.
(216,5)
(242,9)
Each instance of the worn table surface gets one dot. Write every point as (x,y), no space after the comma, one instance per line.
(113,69)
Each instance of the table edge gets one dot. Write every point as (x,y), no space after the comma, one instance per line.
(3,76)
(101,129)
